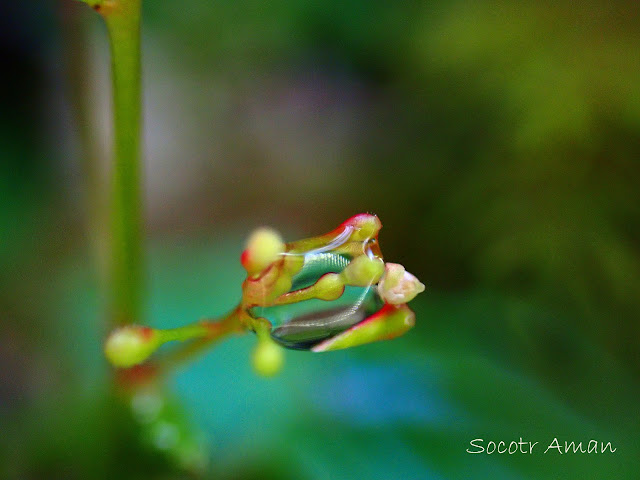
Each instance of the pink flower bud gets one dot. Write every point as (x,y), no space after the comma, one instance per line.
(398,286)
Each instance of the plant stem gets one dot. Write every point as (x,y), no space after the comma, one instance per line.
(205,334)
(123,26)
(198,337)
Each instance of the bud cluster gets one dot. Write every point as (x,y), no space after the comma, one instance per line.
(322,293)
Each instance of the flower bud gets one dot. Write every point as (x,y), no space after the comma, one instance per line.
(363,271)
(365,226)
(398,286)
(267,358)
(329,287)
(389,322)
(130,345)
(263,248)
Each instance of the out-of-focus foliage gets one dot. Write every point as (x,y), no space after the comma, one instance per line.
(497,141)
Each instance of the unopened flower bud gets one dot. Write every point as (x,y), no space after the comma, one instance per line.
(365,226)
(130,345)
(267,358)
(363,271)
(398,286)
(329,287)
(263,248)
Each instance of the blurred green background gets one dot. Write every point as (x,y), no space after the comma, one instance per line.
(499,142)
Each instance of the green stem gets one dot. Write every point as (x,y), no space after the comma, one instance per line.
(123,26)
(204,334)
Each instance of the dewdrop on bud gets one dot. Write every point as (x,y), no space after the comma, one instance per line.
(130,345)
(398,286)
(324,293)
(263,248)
(267,358)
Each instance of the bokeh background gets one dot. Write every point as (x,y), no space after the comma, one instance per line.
(498,141)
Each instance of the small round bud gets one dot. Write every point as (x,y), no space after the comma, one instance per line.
(398,286)
(130,345)
(329,286)
(363,271)
(267,358)
(263,248)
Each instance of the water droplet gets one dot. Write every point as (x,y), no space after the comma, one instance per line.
(304,324)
